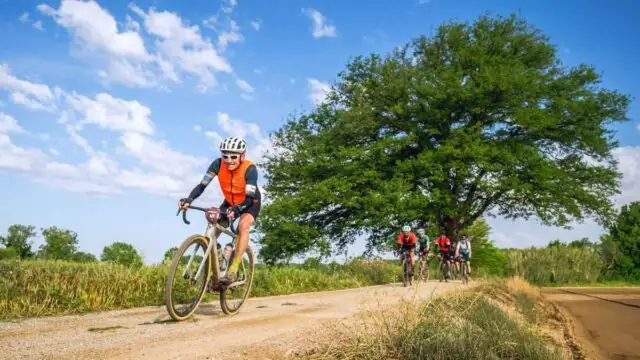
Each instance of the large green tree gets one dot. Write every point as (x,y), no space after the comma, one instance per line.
(60,244)
(123,254)
(17,238)
(480,119)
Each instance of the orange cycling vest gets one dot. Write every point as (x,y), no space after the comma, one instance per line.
(233,183)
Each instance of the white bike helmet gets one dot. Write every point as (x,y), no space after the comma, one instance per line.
(406,228)
(421,231)
(233,144)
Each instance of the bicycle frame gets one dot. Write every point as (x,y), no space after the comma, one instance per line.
(211,248)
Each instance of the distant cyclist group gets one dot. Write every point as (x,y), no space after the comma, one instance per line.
(450,252)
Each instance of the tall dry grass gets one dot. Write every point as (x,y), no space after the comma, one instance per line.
(38,288)
(464,325)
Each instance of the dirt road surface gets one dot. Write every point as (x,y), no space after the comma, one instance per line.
(147,333)
(606,320)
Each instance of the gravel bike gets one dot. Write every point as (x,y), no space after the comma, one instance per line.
(464,271)
(191,276)
(405,259)
(445,270)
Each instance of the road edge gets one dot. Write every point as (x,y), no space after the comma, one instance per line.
(580,348)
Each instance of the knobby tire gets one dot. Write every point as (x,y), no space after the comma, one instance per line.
(168,289)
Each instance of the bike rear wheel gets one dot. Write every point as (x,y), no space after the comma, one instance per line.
(181,299)
(229,304)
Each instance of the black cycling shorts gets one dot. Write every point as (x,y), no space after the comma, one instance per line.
(253,209)
(408,247)
(446,255)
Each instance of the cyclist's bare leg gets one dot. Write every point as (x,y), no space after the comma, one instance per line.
(412,256)
(246,220)
(469,268)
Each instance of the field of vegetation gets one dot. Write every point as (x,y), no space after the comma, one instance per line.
(58,279)
(50,287)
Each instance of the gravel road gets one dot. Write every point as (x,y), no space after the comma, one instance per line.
(147,333)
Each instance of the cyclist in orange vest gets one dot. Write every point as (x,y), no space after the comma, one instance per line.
(238,179)
(407,240)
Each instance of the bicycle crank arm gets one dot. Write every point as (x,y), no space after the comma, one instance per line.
(236,284)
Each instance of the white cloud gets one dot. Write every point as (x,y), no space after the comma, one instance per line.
(244,86)
(96,34)
(246,96)
(238,128)
(159,184)
(131,25)
(629,164)
(257,71)
(214,136)
(120,52)
(111,113)
(257,143)
(38,25)
(231,36)
(197,128)
(9,124)
(73,131)
(96,29)
(320,28)
(46,9)
(256,25)
(524,233)
(228,5)
(184,46)
(160,169)
(24,18)
(19,98)
(31,95)
(318,90)
(17,158)
(158,156)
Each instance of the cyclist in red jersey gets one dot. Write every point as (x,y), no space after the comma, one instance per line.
(445,247)
(407,240)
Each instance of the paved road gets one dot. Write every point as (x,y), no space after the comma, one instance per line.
(607,320)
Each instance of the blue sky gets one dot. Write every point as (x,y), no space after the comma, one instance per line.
(111,112)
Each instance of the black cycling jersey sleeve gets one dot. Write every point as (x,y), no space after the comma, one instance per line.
(212,172)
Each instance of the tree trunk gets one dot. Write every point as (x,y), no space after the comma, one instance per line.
(451,226)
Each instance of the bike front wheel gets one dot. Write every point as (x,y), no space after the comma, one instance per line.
(184,287)
(233,296)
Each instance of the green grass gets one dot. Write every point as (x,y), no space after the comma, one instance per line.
(41,288)
(555,265)
(469,325)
